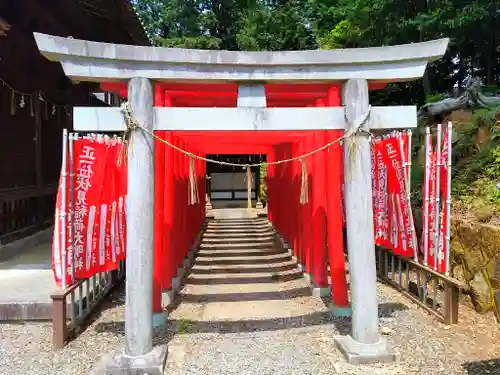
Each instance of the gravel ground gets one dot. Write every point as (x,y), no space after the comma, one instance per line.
(293,343)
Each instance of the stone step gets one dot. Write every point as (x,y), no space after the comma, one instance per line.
(242,220)
(234,261)
(237,240)
(237,253)
(243,278)
(249,295)
(223,234)
(238,225)
(242,246)
(245,288)
(244,268)
(239,230)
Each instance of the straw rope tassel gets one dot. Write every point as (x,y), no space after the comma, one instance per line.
(132,124)
(249,188)
(193,187)
(304,186)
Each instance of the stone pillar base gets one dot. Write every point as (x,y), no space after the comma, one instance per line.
(323,291)
(119,363)
(160,319)
(358,353)
(340,311)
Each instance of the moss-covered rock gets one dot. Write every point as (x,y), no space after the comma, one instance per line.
(476,260)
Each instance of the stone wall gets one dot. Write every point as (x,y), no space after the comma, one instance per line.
(475,260)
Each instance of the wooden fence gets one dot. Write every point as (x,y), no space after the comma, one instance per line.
(435,292)
(71,307)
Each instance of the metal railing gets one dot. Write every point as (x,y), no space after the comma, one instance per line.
(72,306)
(435,292)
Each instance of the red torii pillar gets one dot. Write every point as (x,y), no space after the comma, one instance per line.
(340,299)
(168,264)
(318,206)
(159,175)
(270,188)
(307,210)
(288,211)
(296,173)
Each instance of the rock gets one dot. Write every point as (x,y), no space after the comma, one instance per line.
(480,293)
(385,331)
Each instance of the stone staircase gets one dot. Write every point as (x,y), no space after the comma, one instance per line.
(246,248)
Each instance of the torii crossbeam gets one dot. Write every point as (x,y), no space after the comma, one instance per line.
(101,62)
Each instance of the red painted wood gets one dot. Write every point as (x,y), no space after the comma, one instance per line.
(159,173)
(307,209)
(224,95)
(283,181)
(168,261)
(296,201)
(334,223)
(319,213)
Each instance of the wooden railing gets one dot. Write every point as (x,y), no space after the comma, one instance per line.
(25,211)
(438,294)
(72,306)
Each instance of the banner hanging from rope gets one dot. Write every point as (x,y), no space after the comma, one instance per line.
(90,225)
(393,221)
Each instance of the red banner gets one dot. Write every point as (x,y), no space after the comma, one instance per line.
(95,234)
(391,210)
(443,188)
(431,210)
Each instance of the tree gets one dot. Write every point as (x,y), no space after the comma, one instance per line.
(308,24)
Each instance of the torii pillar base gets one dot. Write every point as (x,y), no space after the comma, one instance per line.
(357,353)
(119,363)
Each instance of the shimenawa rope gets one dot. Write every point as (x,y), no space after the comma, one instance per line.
(133,125)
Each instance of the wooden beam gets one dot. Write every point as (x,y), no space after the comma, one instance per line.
(92,119)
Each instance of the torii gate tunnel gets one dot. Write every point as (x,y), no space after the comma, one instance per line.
(282,104)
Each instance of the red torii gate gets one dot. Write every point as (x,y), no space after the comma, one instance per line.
(309,228)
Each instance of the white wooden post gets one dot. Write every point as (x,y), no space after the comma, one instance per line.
(140,214)
(365,344)
(139,356)
(251,96)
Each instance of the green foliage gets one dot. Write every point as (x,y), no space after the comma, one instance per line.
(256,25)
(477,166)
(228,24)
(263,183)
(435,98)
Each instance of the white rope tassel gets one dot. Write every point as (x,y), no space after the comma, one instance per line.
(193,186)
(304,186)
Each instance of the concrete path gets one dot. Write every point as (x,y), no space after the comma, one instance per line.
(245,309)
(26,280)
(268,324)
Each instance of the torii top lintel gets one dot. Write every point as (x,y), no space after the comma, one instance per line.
(84,60)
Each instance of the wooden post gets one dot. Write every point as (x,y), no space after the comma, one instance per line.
(308,248)
(159,234)
(140,223)
(365,344)
(318,200)
(39,158)
(340,296)
(139,356)
(59,321)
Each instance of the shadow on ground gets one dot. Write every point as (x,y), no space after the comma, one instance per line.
(175,326)
(483,367)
